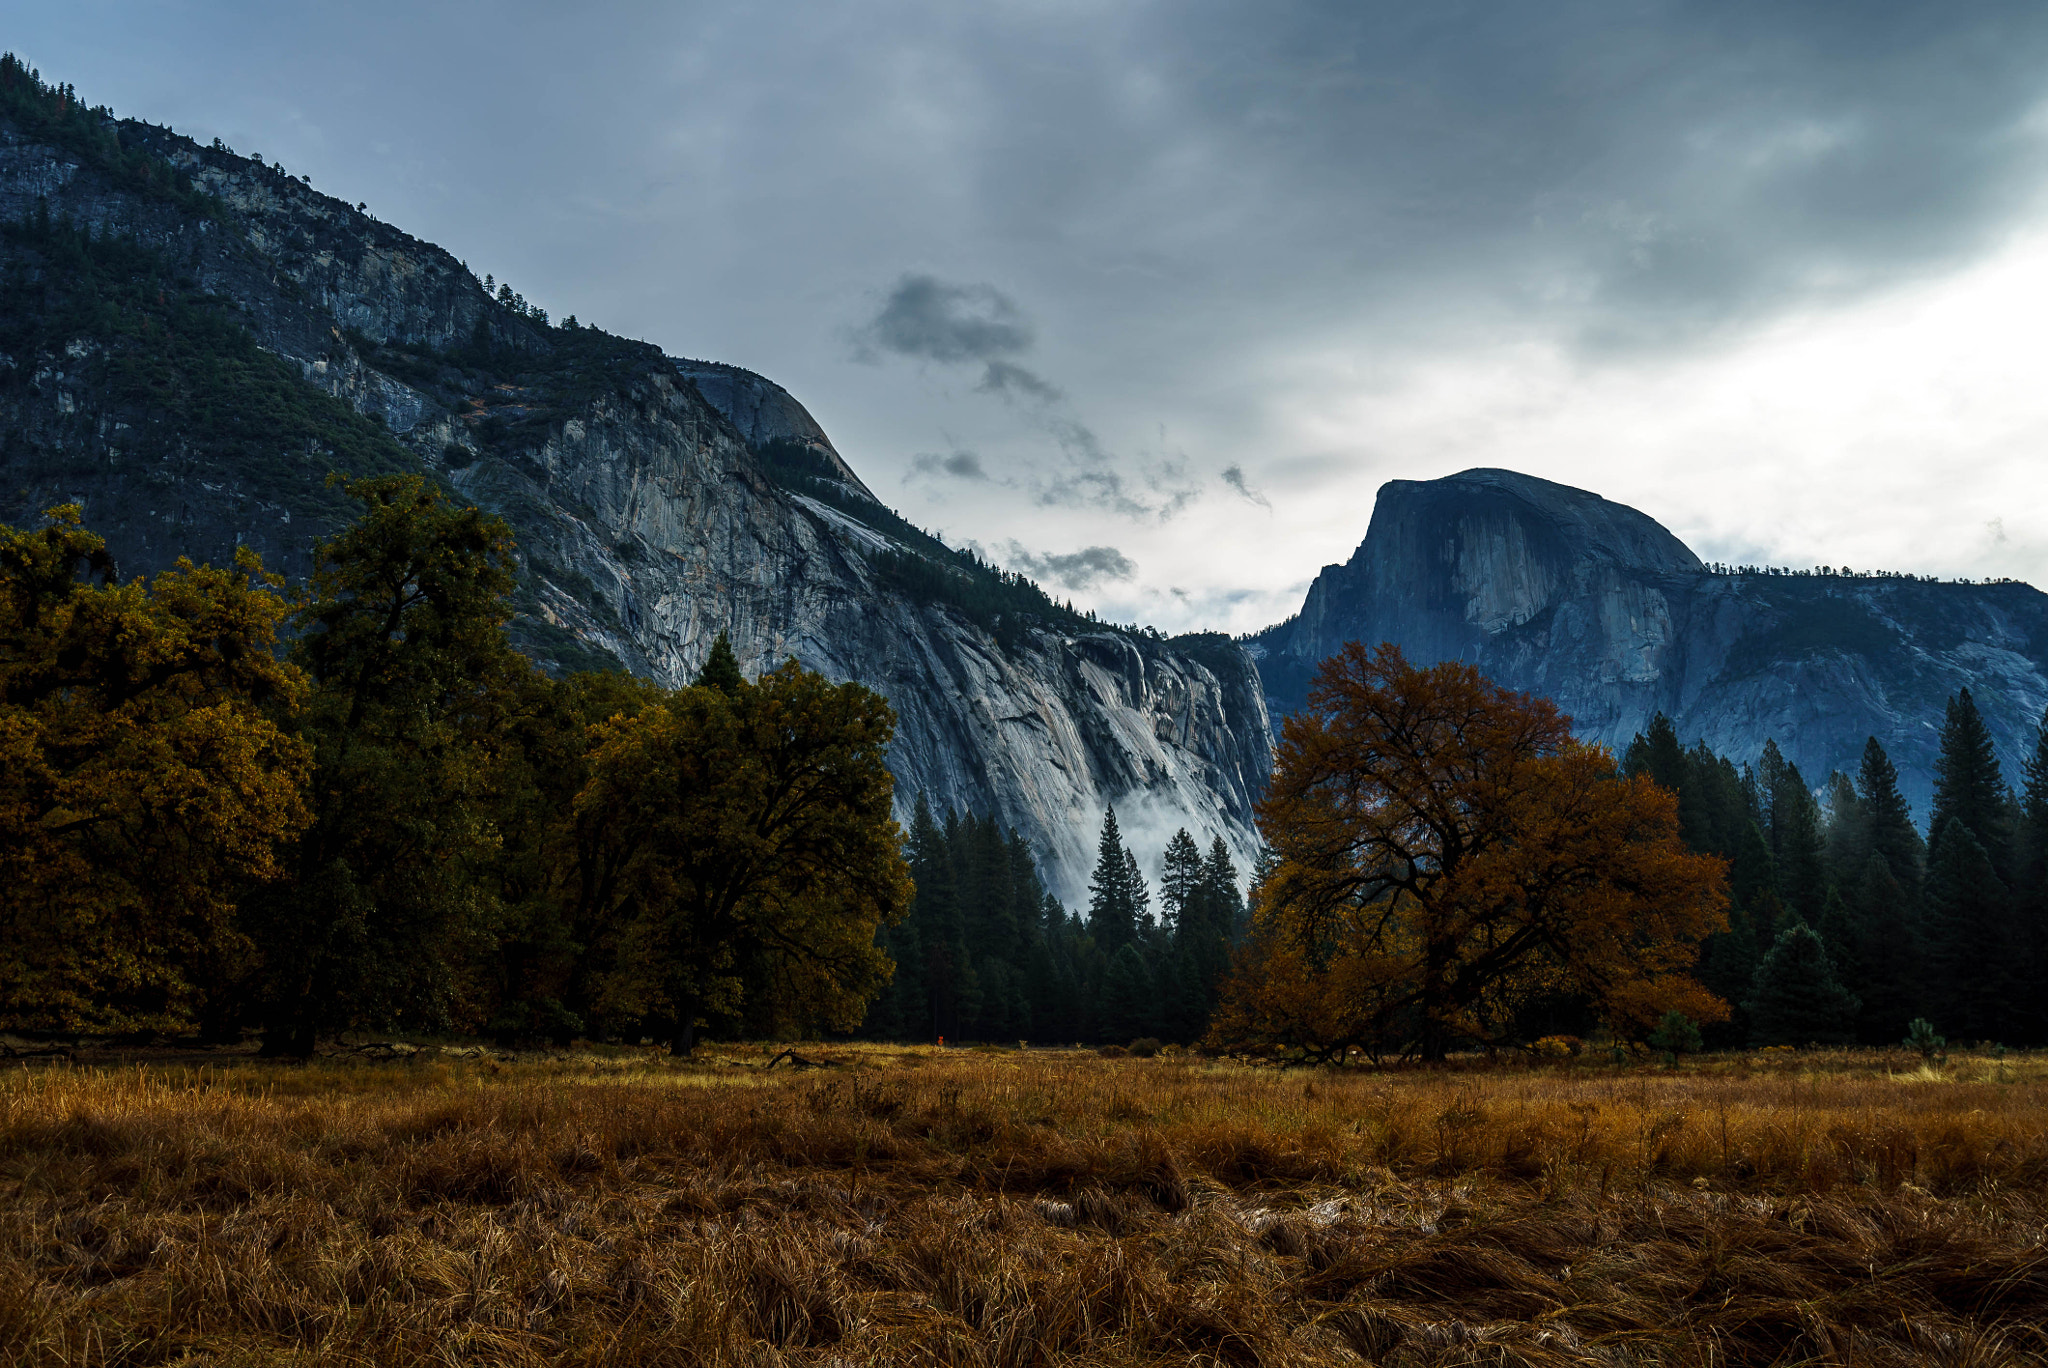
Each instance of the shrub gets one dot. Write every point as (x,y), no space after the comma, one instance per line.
(1920,1035)
(1676,1034)
(1144,1047)
(1112,1051)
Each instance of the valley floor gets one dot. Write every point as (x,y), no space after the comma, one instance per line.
(909,1206)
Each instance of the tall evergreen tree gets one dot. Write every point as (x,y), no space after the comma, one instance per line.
(721,668)
(1974,978)
(1796,843)
(1888,821)
(1968,786)
(1796,998)
(1180,875)
(1129,1000)
(1112,900)
(1887,967)
(2030,884)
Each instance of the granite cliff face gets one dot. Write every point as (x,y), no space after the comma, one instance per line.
(1557,591)
(647,515)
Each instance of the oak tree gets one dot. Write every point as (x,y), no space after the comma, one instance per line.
(145,786)
(1448,855)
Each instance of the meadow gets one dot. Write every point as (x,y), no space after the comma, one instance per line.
(1023,1207)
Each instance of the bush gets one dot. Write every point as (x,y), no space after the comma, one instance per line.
(1676,1034)
(1920,1036)
(1145,1047)
(1112,1051)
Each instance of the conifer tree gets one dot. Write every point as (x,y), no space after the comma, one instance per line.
(1796,998)
(1179,877)
(721,669)
(1129,1000)
(1796,843)
(1968,786)
(1888,967)
(1112,902)
(2030,884)
(1974,979)
(1888,821)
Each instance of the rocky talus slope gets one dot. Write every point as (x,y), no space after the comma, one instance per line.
(1560,592)
(190,340)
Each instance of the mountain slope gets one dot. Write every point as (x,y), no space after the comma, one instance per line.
(1560,592)
(192,339)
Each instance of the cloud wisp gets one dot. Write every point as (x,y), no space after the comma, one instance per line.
(1079,571)
(927,319)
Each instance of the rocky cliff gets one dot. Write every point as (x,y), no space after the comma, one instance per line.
(190,340)
(1557,591)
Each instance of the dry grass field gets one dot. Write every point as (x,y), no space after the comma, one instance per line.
(1021,1208)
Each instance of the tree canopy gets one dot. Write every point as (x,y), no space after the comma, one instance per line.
(1447,856)
(145,784)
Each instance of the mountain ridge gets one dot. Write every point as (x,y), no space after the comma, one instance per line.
(649,517)
(1554,590)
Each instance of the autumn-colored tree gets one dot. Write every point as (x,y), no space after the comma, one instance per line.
(1447,855)
(144,785)
(739,847)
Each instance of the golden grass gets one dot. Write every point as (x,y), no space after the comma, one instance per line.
(1024,1208)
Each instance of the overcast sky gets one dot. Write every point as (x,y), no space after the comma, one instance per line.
(1150,299)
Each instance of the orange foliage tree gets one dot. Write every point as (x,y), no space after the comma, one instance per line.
(1448,856)
(145,784)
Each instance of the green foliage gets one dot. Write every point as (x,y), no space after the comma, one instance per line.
(1796,999)
(181,368)
(721,669)
(55,115)
(145,787)
(403,633)
(1921,1036)
(1676,1034)
(1117,893)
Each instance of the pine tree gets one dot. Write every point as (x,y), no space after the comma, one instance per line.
(1141,900)
(1112,904)
(1179,877)
(721,669)
(1796,998)
(1968,786)
(1655,751)
(1888,821)
(1796,844)
(1129,998)
(2030,885)
(1974,980)
(1845,831)
(1888,967)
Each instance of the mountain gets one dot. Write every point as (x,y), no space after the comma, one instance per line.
(1556,591)
(190,340)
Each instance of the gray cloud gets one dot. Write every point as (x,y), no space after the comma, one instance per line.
(961,465)
(1077,570)
(1234,477)
(1244,218)
(935,321)
(1008,378)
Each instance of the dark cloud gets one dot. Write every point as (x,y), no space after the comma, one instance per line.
(1076,570)
(1007,378)
(935,321)
(1200,193)
(1234,477)
(961,465)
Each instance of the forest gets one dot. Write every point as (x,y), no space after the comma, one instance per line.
(229,811)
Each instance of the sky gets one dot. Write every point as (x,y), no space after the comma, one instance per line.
(1148,300)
